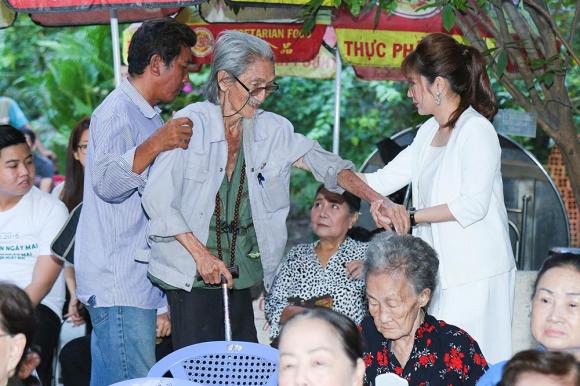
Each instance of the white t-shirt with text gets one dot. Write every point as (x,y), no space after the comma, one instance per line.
(26,232)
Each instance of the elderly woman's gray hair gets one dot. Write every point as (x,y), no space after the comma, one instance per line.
(389,252)
(233,52)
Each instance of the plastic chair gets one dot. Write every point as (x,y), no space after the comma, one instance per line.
(222,363)
(155,381)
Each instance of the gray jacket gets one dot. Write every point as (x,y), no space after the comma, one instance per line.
(180,193)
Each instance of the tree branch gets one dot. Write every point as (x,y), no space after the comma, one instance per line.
(574,21)
(483,20)
(466,28)
(557,91)
(522,64)
(548,39)
(549,49)
(543,12)
(519,97)
(503,27)
(524,34)
(505,33)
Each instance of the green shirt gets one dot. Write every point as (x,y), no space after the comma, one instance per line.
(247,255)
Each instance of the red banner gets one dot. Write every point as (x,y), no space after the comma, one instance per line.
(42,6)
(287,40)
(57,19)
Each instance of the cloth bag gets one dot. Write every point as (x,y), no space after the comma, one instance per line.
(63,246)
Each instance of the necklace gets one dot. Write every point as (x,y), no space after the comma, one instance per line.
(233,227)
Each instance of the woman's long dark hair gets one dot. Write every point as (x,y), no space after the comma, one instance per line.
(438,54)
(72,193)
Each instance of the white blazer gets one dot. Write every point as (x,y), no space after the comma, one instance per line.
(468,180)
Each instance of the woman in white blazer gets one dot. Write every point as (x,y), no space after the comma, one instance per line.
(453,165)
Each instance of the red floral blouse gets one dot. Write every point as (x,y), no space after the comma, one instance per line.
(442,355)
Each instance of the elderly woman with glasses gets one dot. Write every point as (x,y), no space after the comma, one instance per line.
(218,209)
(400,337)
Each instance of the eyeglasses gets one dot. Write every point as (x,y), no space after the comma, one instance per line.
(3,335)
(269,89)
(82,148)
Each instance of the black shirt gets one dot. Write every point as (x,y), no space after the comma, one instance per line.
(442,355)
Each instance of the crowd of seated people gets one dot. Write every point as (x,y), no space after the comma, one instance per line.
(165,220)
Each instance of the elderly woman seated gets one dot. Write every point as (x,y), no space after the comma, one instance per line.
(326,272)
(555,318)
(401,338)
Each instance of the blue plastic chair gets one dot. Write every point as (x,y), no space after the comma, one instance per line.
(222,363)
(155,381)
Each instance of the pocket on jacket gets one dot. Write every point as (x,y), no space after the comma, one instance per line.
(195,173)
(274,191)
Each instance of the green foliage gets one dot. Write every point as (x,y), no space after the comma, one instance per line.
(448,17)
(78,77)
(58,76)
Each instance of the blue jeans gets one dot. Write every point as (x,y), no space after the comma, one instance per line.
(122,343)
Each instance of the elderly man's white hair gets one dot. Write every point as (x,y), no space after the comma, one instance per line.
(233,52)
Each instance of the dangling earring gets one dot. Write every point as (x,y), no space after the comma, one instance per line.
(438,99)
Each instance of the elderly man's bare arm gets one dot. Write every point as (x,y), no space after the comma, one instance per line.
(393,214)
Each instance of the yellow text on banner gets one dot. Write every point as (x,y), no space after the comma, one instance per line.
(380,48)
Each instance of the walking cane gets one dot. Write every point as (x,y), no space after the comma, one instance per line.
(227,323)
(235,271)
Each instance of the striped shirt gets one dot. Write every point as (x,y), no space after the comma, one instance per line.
(112,223)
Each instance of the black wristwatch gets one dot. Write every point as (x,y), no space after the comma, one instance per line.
(412,217)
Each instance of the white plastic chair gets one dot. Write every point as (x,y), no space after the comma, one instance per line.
(155,381)
(227,363)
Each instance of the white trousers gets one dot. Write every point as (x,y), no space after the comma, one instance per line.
(484,309)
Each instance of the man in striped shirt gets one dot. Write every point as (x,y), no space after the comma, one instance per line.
(126,135)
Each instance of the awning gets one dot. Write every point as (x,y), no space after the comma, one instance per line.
(99,16)
(42,6)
